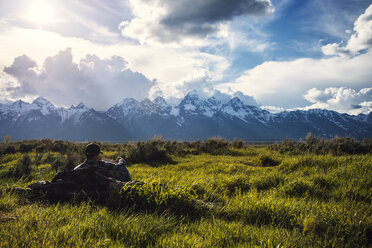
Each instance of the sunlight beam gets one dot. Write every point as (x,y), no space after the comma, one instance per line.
(41,12)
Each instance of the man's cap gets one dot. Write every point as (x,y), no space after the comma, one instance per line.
(92,149)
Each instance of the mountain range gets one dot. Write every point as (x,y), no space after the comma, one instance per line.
(192,119)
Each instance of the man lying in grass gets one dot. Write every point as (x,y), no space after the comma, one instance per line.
(93,153)
(94,180)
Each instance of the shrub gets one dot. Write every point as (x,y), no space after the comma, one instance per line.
(146,152)
(41,148)
(367,143)
(215,146)
(60,146)
(336,146)
(71,161)
(174,147)
(286,146)
(49,158)
(58,162)
(9,149)
(23,167)
(238,144)
(24,148)
(38,159)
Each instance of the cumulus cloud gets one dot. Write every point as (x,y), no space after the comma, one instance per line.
(273,109)
(360,40)
(168,20)
(99,83)
(336,49)
(345,100)
(22,67)
(249,100)
(7,85)
(282,83)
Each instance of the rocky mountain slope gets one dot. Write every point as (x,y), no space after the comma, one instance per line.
(193,118)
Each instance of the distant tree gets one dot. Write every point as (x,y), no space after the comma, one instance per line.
(7,139)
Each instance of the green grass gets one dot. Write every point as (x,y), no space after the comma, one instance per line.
(255,198)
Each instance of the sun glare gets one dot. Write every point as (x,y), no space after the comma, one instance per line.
(41,12)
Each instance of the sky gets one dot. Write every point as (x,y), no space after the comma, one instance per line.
(277,54)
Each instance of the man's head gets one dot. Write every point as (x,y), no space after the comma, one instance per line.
(92,151)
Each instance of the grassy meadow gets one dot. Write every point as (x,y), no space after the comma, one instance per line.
(237,195)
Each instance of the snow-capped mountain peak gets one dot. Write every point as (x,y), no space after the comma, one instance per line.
(161,106)
(192,95)
(192,118)
(20,107)
(127,102)
(44,105)
(80,106)
(160,101)
(41,101)
(235,107)
(74,113)
(235,102)
(124,108)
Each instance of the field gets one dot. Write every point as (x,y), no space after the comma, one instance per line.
(249,196)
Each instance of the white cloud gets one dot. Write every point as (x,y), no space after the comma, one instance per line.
(249,100)
(360,40)
(344,100)
(7,85)
(167,65)
(283,83)
(99,83)
(251,40)
(273,109)
(336,49)
(92,29)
